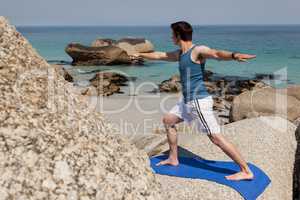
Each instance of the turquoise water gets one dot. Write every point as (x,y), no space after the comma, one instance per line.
(276,47)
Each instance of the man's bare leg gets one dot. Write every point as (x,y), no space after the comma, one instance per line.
(230,150)
(169,121)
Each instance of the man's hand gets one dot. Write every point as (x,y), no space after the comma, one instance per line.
(243,57)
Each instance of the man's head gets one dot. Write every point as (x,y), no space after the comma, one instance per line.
(181,31)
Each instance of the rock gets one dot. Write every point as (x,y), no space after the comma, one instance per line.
(67,76)
(103,42)
(262,102)
(219,104)
(107,83)
(211,87)
(53,145)
(292,90)
(105,55)
(135,45)
(171,85)
(268,142)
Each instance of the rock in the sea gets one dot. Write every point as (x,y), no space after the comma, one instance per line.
(52,144)
(171,85)
(265,101)
(105,55)
(106,83)
(268,142)
(135,45)
(103,42)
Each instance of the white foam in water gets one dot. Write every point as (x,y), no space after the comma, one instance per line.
(81,71)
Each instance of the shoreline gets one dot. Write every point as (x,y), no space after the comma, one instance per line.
(138,107)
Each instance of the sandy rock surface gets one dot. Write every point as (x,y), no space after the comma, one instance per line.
(267,101)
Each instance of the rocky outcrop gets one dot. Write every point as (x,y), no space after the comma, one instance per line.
(52,144)
(105,84)
(109,52)
(135,45)
(105,55)
(268,142)
(267,101)
(171,85)
(103,42)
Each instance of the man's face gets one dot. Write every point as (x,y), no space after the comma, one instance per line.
(174,38)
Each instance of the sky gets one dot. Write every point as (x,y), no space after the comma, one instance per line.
(150,12)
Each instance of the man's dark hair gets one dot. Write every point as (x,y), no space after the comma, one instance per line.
(183,29)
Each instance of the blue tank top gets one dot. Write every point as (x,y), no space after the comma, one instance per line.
(191,77)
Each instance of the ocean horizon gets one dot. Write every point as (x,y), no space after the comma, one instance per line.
(277,48)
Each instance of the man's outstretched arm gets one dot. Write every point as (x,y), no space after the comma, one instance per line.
(205,52)
(166,56)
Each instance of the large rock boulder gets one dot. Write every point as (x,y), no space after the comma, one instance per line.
(105,55)
(266,101)
(52,144)
(135,45)
(268,142)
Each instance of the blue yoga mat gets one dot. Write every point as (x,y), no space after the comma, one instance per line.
(214,171)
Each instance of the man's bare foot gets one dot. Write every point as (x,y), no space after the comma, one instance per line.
(240,176)
(168,162)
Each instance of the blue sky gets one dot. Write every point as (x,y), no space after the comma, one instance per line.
(155,12)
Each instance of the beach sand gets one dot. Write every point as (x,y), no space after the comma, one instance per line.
(140,114)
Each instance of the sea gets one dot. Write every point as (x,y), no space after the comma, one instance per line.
(277,49)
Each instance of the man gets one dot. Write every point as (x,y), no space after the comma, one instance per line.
(196,102)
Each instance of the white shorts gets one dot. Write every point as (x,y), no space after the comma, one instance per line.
(200,111)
